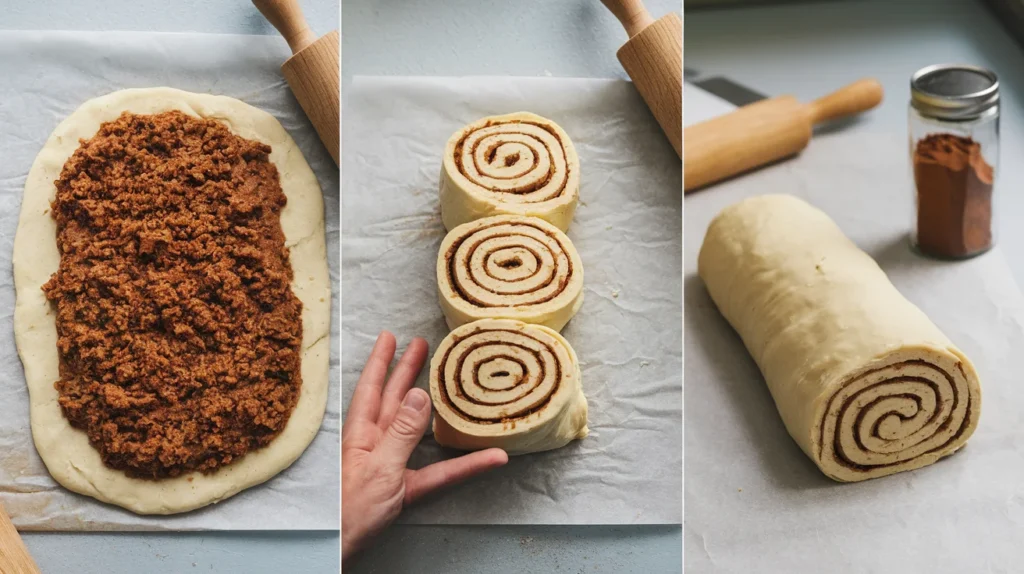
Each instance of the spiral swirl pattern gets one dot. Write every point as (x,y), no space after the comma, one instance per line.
(892,415)
(520,158)
(509,267)
(516,164)
(508,384)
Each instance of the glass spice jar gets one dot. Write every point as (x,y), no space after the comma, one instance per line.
(954,151)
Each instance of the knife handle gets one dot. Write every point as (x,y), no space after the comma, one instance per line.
(631,13)
(855,98)
(287,17)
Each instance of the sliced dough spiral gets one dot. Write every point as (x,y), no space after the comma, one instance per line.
(866,384)
(516,164)
(506,384)
(509,267)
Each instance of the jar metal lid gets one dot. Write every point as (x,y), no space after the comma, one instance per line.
(954,91)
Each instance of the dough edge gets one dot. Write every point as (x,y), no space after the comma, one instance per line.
(66,451)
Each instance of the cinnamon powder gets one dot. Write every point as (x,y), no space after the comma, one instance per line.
(954,196)
(179,336)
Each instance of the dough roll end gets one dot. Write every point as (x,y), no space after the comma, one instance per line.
(506,384)
(509,267)
(513,164)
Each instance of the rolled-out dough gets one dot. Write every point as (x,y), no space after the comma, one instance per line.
(66,451)
(866,384)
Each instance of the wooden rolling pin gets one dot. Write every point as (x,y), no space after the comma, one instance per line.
(14,557)
(764,132)
(312,71)
(653,58)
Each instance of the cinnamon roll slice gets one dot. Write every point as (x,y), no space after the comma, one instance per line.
(506,384)
(517,164)
(509,267)
(866,384)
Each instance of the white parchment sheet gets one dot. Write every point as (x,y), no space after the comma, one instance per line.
(754,501)
(628,333)
(44,76)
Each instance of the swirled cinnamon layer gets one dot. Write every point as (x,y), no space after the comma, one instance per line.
(899,414)
(866,384)
(506,384)
(517,164)
(510,267)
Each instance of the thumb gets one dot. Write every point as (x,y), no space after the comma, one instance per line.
(406,429)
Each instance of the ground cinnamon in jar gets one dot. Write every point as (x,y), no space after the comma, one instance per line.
(954,196)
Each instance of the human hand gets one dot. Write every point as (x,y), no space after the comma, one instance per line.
(383,426)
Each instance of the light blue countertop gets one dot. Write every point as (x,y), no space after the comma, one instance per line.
(268,552)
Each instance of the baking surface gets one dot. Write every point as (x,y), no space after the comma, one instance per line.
(627,334)
(742,468)
(80,66)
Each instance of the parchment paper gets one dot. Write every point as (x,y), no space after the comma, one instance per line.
(44,76)
(627,334)
(754,501)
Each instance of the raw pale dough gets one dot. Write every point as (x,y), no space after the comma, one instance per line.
(516,164)
(506,384)
(66,451)
(866,384)
(509,267)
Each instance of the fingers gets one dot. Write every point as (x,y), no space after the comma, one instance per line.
(406,430)
(366,399)
(419,483)
(402,379)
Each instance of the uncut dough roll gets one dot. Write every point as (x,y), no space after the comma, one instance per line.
(866,384)
(515,164)
(509,267)
(506,384)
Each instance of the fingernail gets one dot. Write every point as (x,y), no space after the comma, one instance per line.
(415,401)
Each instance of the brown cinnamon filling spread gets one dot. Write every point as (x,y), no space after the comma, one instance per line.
(178,333)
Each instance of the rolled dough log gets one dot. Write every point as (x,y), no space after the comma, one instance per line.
(506,384)
(509,267)
(515,164)
(866,384)
(66,451)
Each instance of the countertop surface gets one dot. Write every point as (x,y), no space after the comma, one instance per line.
(268,552)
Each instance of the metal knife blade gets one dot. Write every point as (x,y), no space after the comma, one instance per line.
(722,87)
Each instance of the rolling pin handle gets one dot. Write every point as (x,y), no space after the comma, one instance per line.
(287,17)
(855,98)
(631,13)
(14,557)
